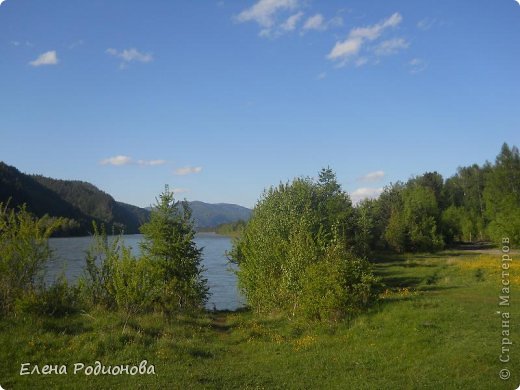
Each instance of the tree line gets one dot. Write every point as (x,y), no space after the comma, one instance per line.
(428,213)
(305,251)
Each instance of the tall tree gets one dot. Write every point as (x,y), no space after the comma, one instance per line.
(169,241)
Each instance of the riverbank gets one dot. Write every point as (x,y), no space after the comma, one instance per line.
(436,326)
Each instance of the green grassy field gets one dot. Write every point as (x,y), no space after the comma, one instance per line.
(436,327)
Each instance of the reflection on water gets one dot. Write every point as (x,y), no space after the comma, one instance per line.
(69,257)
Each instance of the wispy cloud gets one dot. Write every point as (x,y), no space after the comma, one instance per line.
(322,75)
(291,22)
(279,17)
(426,23)
(116,160)
(319,23)
(417,65)
(18,43)
(365,193)
(372,177)
(130,55)
(151,163)
(349,48)
(187,170)
(47,58)
(391,46)
(75,44)
(315,22)
(264,12)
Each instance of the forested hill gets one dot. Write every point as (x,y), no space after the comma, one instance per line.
(207,215)
(81,203)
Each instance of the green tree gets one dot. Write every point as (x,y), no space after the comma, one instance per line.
(396,231)
(364,233)
(502,195)
(296,247)
(24,251)
(421,215)
(169,242)
(388,204)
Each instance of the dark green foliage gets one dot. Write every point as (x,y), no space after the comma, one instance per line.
(295,254)
(168,241)
(421,215)
(79,202)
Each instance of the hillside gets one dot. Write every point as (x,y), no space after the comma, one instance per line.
(207,215)
(81,203)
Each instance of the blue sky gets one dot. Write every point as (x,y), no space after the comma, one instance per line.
(221,99)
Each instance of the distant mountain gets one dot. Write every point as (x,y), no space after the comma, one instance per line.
(81,203)
(208,215)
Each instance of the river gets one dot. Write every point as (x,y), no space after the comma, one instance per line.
(69,257)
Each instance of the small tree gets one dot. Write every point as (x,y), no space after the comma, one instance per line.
(169,242)
(24,250)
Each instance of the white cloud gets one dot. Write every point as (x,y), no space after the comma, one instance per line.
(187,170)
(1,1)
(151,163)
(117,160)
(350,47)
(264,12)
(47,58)
(391,46)
(417,65)
(130,55)
(315,22)
(346,49)
(291,22)
(365,193)
(372,177)
(318,23)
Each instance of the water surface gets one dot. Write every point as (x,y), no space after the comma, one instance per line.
(69,257)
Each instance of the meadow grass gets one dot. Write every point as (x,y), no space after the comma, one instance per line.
(436,327)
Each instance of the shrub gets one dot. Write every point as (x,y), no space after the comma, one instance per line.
(57,300)
(97,282)
(136,283)
(296,252)
(24,252)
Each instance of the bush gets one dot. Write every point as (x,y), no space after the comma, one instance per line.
(24,252)
(339,286)
(60,299)
(136,283)
(103,255)
(296,252)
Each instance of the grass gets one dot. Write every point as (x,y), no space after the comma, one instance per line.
(436,327)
